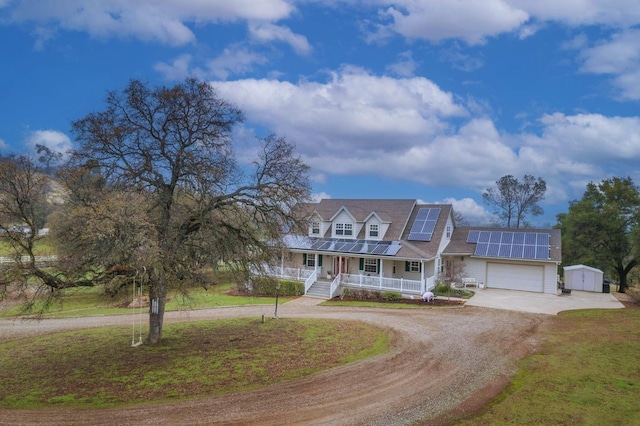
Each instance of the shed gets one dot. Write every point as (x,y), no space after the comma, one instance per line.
(581,277)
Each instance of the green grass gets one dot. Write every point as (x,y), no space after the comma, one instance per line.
(587,372)
(90,301)
(98,367)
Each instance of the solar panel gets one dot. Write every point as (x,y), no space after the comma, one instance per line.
(473,236)
(424,224)
(493,250)
(507,238)
(481,249)
(511,244)
(484,236)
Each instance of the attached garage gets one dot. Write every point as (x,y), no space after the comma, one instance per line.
(581,277)
(515,277)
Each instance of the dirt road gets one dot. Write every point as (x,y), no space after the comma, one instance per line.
(443,362)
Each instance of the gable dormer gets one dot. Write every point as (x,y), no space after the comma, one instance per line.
(374,228)
(343,224)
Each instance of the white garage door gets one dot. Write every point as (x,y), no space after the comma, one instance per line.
(515,277)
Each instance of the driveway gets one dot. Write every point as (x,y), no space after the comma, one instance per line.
(542,303)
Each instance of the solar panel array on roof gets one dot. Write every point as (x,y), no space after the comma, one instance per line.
(382,248)
(510,244)
(425,223)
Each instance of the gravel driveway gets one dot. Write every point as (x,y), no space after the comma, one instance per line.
(443,362)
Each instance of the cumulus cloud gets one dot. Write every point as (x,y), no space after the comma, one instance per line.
(164,21)
(437,20)
(620,57)
(3,145)
(473,213)
(52,139)
(266,32)
(234,60)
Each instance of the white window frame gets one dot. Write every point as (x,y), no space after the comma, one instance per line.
(448,231)
(374,230)
(344,229)
(311,261)
(370,265)
(414,266)
(315,228)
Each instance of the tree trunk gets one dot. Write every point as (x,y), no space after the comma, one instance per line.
(157,299)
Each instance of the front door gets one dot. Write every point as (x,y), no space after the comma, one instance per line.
(340,267)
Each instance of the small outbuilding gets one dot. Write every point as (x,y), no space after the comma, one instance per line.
(581,277)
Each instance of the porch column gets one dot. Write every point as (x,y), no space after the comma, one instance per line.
(315,267)
(423,284)
(380,273)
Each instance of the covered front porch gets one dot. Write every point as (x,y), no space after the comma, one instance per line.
(324,275)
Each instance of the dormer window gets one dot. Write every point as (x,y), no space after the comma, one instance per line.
(344,229)
(373,230)
(315,228)
(448,231)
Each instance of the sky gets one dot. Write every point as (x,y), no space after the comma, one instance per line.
(432,100)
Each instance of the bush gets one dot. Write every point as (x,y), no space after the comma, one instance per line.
(391,296)
(634,294)
(266,286)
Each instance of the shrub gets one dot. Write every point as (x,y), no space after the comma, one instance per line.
(346,293)
(391,296)
(634,294)
(266,286)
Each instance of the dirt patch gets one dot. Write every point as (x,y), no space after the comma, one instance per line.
(443,362)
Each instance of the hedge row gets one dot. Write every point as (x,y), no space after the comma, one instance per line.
(267,287)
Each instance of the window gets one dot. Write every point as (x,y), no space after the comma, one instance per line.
(448,231)
(371,265)
(311,261)
(414,266)
(315,228)
(373,230)
(344,229)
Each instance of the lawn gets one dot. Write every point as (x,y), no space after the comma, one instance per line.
(98,367)
(91,301)
(587,372)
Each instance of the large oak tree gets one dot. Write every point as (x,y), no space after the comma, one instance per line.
(602,229)
(164,157)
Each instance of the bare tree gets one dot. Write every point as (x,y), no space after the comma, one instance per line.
(173,146)
(514,200)
(24,207)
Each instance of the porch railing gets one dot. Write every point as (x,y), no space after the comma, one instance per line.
(310,280)
(335,285)
(382,283)
(298,274)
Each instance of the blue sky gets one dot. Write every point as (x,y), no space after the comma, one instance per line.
(427,99)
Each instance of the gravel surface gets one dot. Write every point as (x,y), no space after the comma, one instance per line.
(443,363)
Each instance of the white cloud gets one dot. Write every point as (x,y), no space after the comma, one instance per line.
(405,66)
(3,145)
(52,139)
(354,109)
(619,13)
(316,197)
(266,32)
(234,60)
(470,20)
(178,69)
(165,21)
(474,214)
(619,57)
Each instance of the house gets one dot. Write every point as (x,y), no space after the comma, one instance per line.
(405,246)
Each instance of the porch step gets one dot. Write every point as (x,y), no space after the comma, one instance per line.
(320,289)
